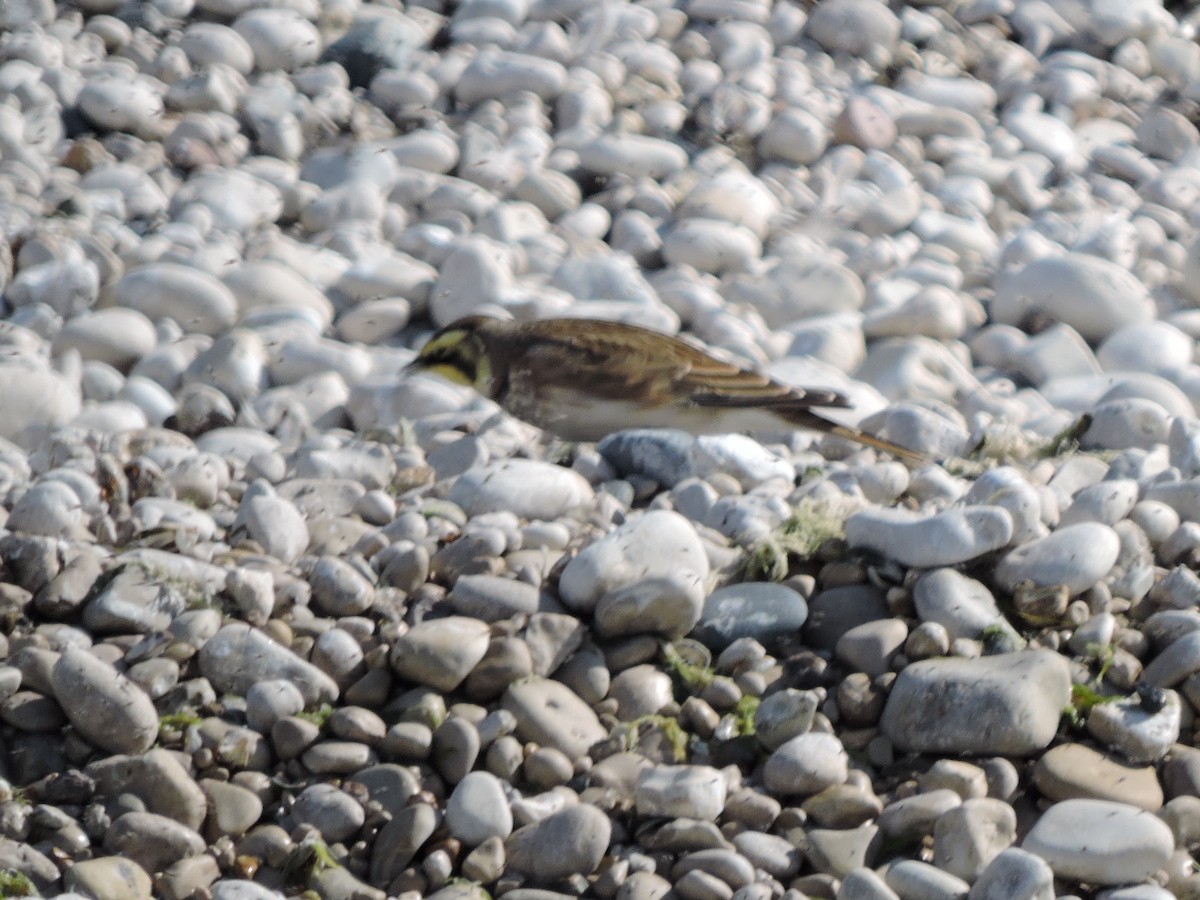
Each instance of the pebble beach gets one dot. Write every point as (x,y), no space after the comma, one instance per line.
(281,618)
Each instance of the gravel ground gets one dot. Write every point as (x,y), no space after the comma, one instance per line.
(278,618)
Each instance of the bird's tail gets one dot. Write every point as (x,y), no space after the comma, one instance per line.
(852,434)
(809,419)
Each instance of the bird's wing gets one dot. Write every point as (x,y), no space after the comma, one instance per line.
(662,376)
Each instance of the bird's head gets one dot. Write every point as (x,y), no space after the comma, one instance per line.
(458,353)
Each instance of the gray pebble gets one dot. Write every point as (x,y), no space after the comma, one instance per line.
(549,713)
(340,589)
(1100,842)
(108,876)
(159,778)
(913,878)
(806,764)
(152,841)
(334,813)
(564,843)
(968,837)
(491,598)
(694,792)
(190,297)
(273,522)
(238,656)
(440,652)
(784,715)
(526,488)
(337,757)
(102,704)
(961,605)
(944,539)
(1077,556)
(656,544)
(233,809)
(761,610)
(641,691)
(1141,730)
(1008,704)
(478,810)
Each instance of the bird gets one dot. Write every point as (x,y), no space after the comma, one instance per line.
(583,379)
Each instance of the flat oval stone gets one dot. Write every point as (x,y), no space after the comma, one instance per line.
(1009,704)
(104,706)
(633,154)
(491,598)
(1122,424)
(117,336)
(524,487)
(495,73)
(107,876)
(1016,873)
(806,764)
(961,605)
(129,102)
(763,611)
(195,300)
(694,792)
(1077,556)
(913,878)
(263,285)
(656,544)
(564,843)
(478,809)
(550,713)
(944,539)
(1100,842)
(711,245)
(238,656)
(281,39)
(1092,295)
(440,652)
(1076,771)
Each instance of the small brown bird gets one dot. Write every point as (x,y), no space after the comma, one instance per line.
(582,379)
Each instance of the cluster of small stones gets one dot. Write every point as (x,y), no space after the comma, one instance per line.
(279,618)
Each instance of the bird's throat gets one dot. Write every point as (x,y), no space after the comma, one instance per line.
(451,373)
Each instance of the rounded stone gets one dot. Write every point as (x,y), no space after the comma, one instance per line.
(1076,556)
(1008,704)
(195,300)
(570,842)
(1100,842)
(1092,295)
(657,544)
(923,541)
(694,792)
(440,652)
(103,705)
(763,611)
(478,809)
(806,764)
(526,488)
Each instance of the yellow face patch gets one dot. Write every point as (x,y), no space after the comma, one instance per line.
(444,344)
(451,373)
(458,356)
